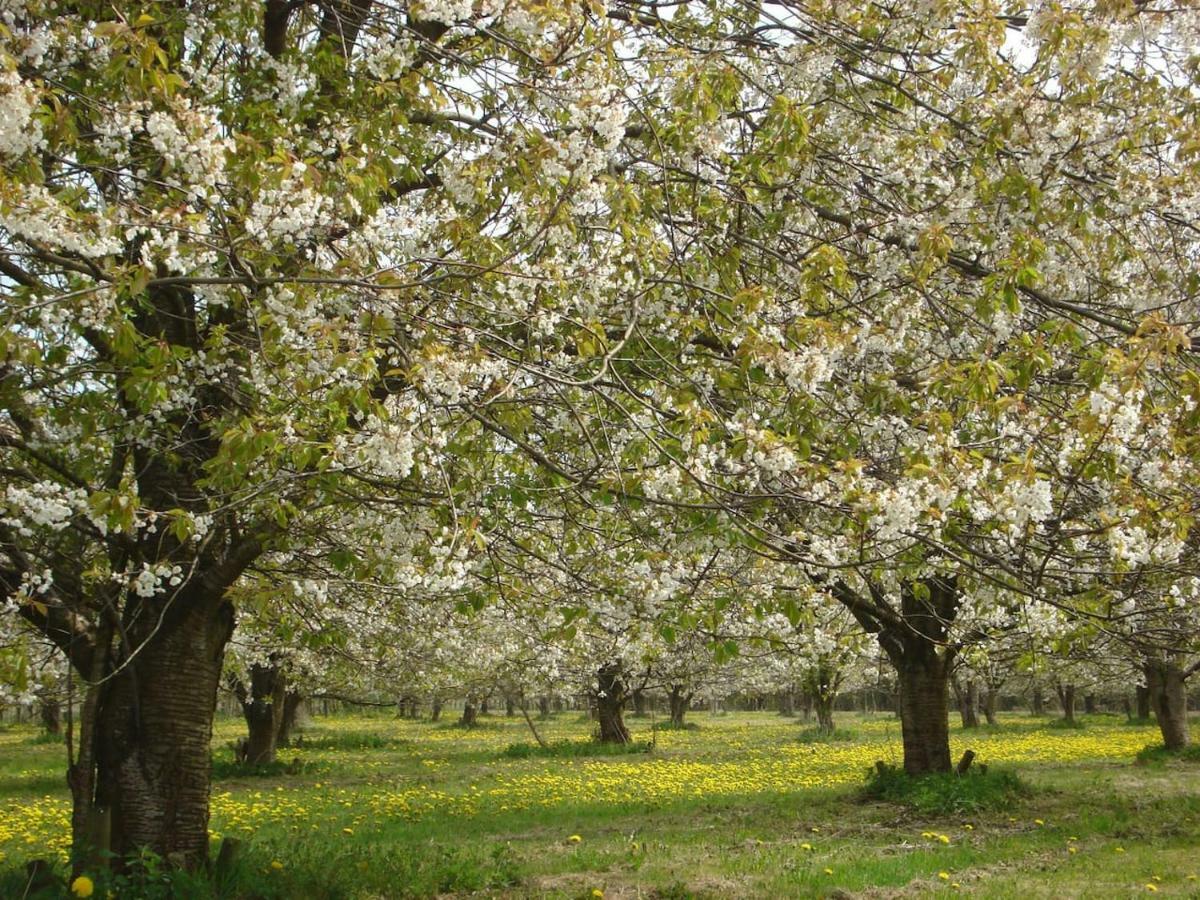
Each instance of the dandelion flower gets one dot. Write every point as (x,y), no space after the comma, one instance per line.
(806,846)
(596,892)
(574,839)
(1120,850)
(276,865)
(828,871)
(82,886)
(944,838)
(347,831)
(1152,887)
(945,876)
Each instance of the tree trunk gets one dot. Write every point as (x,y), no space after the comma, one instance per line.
(611,694)
(968,702)
(510,708)
(1089,704)
(152,736)
(1037,701)
(51,713)
(1066,698)
(435,710)
(469,714)
(544,707)
(678,702)
(1168,697)
(787,703)
(287,723)
(483,707)
(639,702)
(263,711)
(824,707)
(924,710)
(1142,702)
(989,704)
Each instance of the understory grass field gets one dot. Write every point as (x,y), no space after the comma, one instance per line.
(741,805)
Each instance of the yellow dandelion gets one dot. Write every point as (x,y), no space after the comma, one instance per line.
(1038,822)
(596,892)
(806,846)
(944,838)
(1072,849)
(82,886)
(828,871)
(969,827)
(1120,850)
(347,831)
(945,876)
(276,865)
(1152,887)
(574,839)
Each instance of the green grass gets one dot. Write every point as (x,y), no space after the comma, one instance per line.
(382,807)
(946,794)
(570,748)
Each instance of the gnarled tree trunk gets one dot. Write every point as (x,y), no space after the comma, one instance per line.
(611,694)
(1037,701)
(262,707)
(435,710)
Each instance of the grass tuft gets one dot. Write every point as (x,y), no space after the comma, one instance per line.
(1153,754)
(568,748)
(945,793)
(815,735)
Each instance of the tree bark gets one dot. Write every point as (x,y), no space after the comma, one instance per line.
(435,710)
(678,701)
(1037,701)
(1089,704)
(262,708)
(824,708)
(968,702)
(1066,698)
(787,703)
(989,704)
(924,712)
(1142,702)
(611,695)
(639,702)
(469,714)
(153,730)
(51,713)
(1168,697)
(544,707)
(510,708)
(287,723)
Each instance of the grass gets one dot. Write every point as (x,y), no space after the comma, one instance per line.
(946,794)
(381,807)
(573,748)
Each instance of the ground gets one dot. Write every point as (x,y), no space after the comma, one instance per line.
(741,806)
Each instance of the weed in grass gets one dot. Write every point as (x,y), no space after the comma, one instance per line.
(561,749)
(1068,724)
(945,793)
(816,735)
(1157,754)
